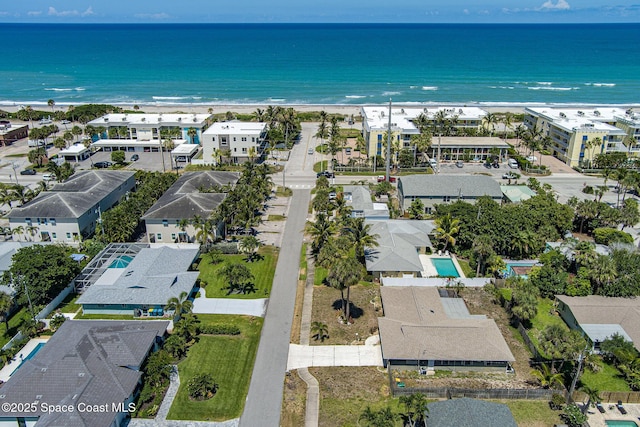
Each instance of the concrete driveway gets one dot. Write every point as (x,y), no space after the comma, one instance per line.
(248,307)
(304,356)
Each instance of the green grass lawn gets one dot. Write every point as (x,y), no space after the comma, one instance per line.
(229,359)
(68,305)
(276,218)
(466,270)
(319,276)
(303,262)
(533,412)
(262,270)
(543,319)
(14,324)
(608,379)
(113,317)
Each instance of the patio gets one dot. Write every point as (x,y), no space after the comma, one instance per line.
(430,270)
(596,419)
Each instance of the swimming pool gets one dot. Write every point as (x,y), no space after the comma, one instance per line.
(33,352)
(620,423)
(121,262)
(445,267)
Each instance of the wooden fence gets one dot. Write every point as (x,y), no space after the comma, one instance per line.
(495,393)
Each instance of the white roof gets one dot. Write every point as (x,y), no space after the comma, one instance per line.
(185,149)
(162,119)
(126,142)
(74,150)
(378,117)
(601,114)
(235,127)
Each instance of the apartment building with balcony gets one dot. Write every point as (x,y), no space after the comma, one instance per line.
(241,141)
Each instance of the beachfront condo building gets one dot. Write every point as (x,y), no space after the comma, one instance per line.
(577,136)
(375,124)
(146,132)
(233,141)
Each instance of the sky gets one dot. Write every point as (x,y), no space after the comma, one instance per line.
(351,11)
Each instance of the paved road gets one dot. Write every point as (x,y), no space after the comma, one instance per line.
(264,400)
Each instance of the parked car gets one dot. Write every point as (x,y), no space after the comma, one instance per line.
(48,177)
(459,163)
(532,158)
(310,151)
(325,174)
(28,172)
(496,165)
(102,165)
(384,178)
(348,150)
(135,158)
(45,121)
(65,122)
(509,175)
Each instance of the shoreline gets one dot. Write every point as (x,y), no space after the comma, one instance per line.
(347,109)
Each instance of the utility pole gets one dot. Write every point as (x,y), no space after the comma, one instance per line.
(388,155)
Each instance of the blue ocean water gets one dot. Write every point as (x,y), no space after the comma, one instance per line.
(320,63)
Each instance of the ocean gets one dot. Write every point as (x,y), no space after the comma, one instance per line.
(351,64)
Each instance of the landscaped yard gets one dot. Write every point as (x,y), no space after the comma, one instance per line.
(319,275)
(546,316)
(14,324)
(327,307)
(263,271)
(229,359)
(533,413)
(68,305)
(608,379)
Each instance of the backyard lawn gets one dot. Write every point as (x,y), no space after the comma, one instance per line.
(263,271)
(544,318)
(608,379)
(229,359)
(14,325)
(533,413)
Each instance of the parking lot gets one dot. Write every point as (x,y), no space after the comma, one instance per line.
(146,161)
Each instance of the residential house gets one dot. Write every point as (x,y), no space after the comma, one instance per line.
(424,330)
(70,210)
(516,193)
(139,284)
(400,243)
(10,133)
(236,141)
(90,368)
(358,198)
(375,123)
(466,412)
(193,194)
(439,189)
(468,148)
(599,318)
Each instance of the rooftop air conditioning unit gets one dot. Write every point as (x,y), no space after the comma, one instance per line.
(179,119)
(596,113)
(581,113)
(144,119)
(460,111)
(402,111)
(106,119)
(563,115)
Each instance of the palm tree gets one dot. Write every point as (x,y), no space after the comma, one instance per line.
(205,231)
(249,245)
(359,232)
(446,230)
(524,242)
(381,418)
(321,230)
(520,130)
(593,395)
(182,225)
(345,273)
(51,104)
(320,331)
(180,305)
(415,409)
(217,156)
(17,231)
(192,133)
(546,377)
(603,272)
(252,154)
(483,248)
(6,303)
(591,145)
(489,121)
(187,327)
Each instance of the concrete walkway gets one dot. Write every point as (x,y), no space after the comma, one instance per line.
(8,369)
(333,355)
(248,307)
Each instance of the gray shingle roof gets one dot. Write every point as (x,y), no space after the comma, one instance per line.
(398,241)
(184,199)
(74,197)
(416,326)
(152,277)
(94,362)
(361,201)
(464,186)
(467,412)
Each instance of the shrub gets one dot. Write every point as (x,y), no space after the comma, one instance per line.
(202,387)
(56,321)
(220,329)
(557,401)
(606,236)
(118,157)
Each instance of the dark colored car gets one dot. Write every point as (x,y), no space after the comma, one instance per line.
(459,164)
(102,165)
(325,174)
(28,172)
(135,158)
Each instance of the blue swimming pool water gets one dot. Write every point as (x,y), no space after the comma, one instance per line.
(121,262)
(445,267)
(29,356)
(620,423)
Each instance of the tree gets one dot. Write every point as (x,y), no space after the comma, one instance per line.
(573,416)
(416,210)
(359,232)
(593,395)
(489,122)
(239,278)
(56,321)
(483,249)
(44,270)
(51,103)
(6,304)
(547,378)
(629,214)
(345,273)
(118,157)
(179,305)
(187,327)
(416,409)
(603,272)
(446,230)
(158,368)
(320,331)
(380,418)
(202,387)
(176,346)
(320,231)
(249,245)
(524,300)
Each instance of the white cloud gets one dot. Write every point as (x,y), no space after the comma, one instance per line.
(34,13)
(53,12)
(560,5)
(465,11)
(154,16)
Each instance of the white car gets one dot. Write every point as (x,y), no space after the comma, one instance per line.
(532,158)
(48,177)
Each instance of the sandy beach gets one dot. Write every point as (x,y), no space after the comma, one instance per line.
(250,108)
